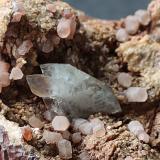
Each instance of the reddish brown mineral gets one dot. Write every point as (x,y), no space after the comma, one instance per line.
(27,133)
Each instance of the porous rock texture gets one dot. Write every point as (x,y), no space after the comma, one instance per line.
(29,37)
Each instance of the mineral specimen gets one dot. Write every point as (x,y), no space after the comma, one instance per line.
(122,35)
(51,137)
(143,136)
(142,56)
(64,28)
(60,123)
(35,122)
(77,122)
(86,128)
(137,128)
(27,133)
(124,79)
(153,8)
(76,93)
(16,73)
(132,24)
(98,127)
(136,94)
(65,149)
(92,48)
(143,17)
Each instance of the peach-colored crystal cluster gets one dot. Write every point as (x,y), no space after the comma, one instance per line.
(60,134)
(132,24)
(139,46)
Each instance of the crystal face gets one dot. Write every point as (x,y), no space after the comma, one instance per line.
(74,93)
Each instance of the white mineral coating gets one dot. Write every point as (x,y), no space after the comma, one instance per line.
(136,94)
(65,149)
(131,24)
(51,137)
(98,127)
(135,127)
(122,35)
(76,137)
(143,136)
(124,79)
(77,122)
(76,94)
(13,130)
(86,128)
(35,122)
(143,16)
(60,123)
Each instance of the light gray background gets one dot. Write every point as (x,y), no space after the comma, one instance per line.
(109,9)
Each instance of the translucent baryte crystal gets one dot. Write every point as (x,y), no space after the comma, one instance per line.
(74,92)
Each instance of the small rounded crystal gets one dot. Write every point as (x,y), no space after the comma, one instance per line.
(136,94)
(122,35)
(143,17)
(131,24)
(124,79)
